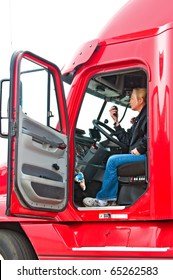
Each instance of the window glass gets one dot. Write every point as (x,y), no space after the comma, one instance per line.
(37,94)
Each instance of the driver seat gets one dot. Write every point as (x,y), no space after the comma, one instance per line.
(131,187)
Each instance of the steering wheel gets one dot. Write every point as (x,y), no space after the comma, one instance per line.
(102,127)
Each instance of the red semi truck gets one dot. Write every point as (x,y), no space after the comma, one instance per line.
(51,138)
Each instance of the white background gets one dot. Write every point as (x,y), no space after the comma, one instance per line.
(53,29)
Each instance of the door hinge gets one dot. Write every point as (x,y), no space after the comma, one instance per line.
(13,128)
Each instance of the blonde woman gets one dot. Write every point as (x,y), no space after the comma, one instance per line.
(134,138)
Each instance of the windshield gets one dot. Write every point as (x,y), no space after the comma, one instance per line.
(91,107)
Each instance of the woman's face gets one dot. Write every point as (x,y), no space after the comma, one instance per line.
(134,102)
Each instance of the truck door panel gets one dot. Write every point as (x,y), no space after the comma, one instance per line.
(38,138)
(38,181)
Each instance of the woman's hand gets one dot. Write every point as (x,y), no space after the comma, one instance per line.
(135,152)
(114,114)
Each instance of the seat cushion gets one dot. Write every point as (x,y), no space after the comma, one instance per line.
(132,169)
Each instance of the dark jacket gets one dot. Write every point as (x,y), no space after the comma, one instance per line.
(136,136)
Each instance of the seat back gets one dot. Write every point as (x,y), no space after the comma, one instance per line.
(132,182)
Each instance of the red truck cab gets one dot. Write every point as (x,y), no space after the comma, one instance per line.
(51,138)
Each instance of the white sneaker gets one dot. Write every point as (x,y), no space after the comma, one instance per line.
(93,202)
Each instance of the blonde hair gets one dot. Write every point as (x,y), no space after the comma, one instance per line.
(141,93)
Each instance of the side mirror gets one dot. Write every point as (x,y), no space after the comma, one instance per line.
(4,103)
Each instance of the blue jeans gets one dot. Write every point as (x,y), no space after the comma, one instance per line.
(109,187)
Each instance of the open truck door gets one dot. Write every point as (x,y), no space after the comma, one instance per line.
(37,138)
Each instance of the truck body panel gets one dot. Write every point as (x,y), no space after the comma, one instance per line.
(43,198)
